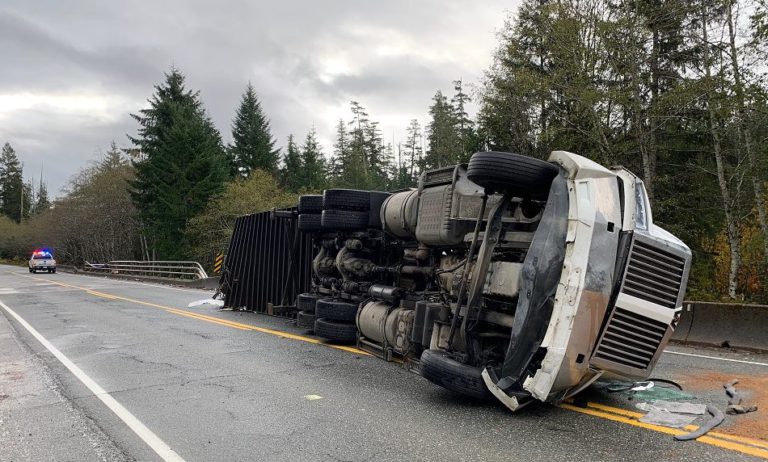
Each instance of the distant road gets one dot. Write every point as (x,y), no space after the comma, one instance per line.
(99,369)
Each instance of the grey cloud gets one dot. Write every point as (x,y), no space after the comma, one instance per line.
(122,49)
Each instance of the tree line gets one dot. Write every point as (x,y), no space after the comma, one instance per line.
(673,89)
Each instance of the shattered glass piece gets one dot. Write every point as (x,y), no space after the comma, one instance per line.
(663,393)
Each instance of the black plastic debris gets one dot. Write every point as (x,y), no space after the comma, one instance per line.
(716,418)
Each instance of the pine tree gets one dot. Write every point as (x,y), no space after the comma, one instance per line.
(464,127)
(340,157)
(12,190)
(355,172)
(254,146)
(28,200)
(182,164)
(377,162)
(113,158)
(443,143)
(292,173)
(314,167)
(42,203)
(413,150)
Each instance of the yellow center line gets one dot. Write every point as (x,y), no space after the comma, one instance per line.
(637,415)
(203,317)
(752,447)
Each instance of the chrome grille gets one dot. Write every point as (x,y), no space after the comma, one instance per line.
(630,339)
(654,275)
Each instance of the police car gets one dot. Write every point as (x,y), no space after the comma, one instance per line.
(42,260)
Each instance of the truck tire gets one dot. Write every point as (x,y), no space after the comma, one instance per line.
(377,200)
(305,320)
(334,310)
(338,332)
(504,171)
(346,199)
(306,302)
(311,203)
(309,222)
(343,219)
(54,270)
(460,378)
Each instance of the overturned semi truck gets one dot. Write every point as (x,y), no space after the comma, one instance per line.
(508,277)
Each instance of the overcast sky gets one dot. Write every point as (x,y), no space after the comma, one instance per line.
(71,72)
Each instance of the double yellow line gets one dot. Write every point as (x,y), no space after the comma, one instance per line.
(741,444)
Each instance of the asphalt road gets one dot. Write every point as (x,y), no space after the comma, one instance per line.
(152,376)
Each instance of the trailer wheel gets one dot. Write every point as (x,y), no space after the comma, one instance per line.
(460,378)
(346,199)
(311,203)
(343,219)
(309,222)
(338,332)
(305,320)
(306,302)
(504,171)
(334,310)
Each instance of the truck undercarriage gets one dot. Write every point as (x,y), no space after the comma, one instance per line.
(509,276)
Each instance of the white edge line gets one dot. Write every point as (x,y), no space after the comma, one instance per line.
(716,358)
(146,435)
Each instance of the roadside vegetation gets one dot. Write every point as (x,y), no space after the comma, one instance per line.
(675,90)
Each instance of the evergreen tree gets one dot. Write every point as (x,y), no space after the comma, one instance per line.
(42,203)
(254,146)
(401,177)
(28,200)
(182,164)
(413,150)
(377,160)
(355,172)
(12,189)
(443,143)
(314,168)
(340,157)
(113,158)
(293,172)
(465,129)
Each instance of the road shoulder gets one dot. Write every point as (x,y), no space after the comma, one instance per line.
(37,421)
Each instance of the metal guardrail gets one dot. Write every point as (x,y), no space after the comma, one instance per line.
(160,269)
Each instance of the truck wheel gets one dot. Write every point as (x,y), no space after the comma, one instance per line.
(309,222)
(346,199)
(335,310)
(305,320)
(311,203)
(338,332)
(306,302)
(504,171)
(460,378)
(53,270)
(343,219)
(31,271)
